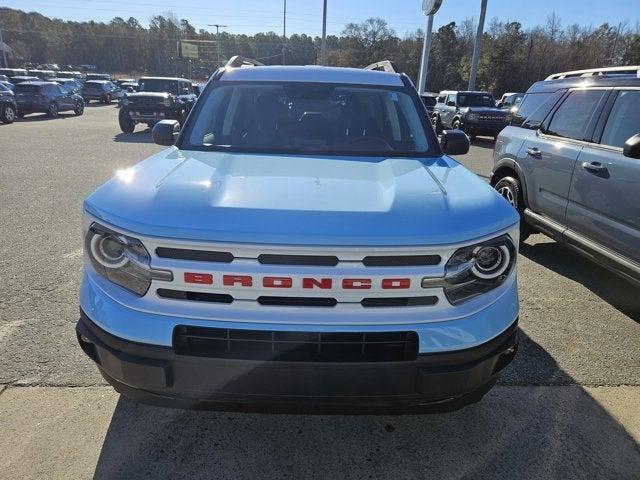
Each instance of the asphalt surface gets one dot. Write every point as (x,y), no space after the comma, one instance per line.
(580,326)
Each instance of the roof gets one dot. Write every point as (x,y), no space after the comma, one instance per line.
(176,79)
(278,73)
(577,82)
(97,80)
(38,82)
(480,92)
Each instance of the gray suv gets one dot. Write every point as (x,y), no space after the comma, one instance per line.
(570,164)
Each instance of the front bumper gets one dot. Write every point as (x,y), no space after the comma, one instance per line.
(482,128)
(432,382)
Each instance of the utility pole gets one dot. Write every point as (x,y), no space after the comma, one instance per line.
(284,33)
(4,53)
(218,27)
(477,46)
(429,8)
(323,46)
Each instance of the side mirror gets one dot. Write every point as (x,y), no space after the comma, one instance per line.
(632,147)
(165,132)
(454,142)
(451,104)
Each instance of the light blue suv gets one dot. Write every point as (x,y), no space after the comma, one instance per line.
(303,243)
(570,164)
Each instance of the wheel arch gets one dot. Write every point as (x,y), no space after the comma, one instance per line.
(508,167)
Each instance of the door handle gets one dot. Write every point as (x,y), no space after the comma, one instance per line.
(596,167)
(534,152)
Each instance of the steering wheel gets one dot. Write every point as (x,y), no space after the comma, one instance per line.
(372,142)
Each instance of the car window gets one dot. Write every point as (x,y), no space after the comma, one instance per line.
(442,98)
(308,118)
(476,100)
(451,98)
(429,101)
(535,108)
(573,116)
(624,120)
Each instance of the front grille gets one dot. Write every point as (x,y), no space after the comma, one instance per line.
(194,296)
(302,260)
(401,260)
(492,118)
(298,301)
(195,255)
(144,103)
(399,301)
(295,346)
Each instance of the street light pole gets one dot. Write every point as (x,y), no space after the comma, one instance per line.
(426,48)
(477,45)
(4,53)
(218,27)
(323,46)
(284,33)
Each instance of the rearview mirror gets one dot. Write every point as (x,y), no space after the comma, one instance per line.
(632,147)
(165,132)
(454,142)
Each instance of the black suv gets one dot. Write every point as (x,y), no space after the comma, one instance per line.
(8,108)
(157,98)
(46,97)
(475,113)
(570,164)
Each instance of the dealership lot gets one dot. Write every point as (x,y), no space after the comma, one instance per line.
(567,407)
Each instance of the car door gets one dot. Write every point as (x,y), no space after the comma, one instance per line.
(604,201)
(550,155)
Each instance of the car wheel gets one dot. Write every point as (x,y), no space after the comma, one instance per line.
(456,124)
(79,110)
(437,125)
(511,191)
(126,124)
(53,110)
(8,114)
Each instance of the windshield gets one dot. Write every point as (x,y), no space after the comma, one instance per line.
(476,100)
(28,88)
(158,85)
(308,118)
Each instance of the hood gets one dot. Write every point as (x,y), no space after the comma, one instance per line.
(482,110)
(301,200)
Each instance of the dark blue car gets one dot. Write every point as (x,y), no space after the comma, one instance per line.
(8,107)
(46,97)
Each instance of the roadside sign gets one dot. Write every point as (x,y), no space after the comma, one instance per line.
(430,7)
(189,50)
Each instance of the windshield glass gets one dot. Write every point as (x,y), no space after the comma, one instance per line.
(476,100)
(308,118)
(158,85)
(28,88)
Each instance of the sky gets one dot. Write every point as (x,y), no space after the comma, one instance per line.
(305,16)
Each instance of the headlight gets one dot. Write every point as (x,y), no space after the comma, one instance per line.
(477,269)
(167,102)
(122,260)
(474,117)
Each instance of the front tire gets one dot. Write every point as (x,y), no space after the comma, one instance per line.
(79,110)
(511,191)
(126,124)
(456,124)
(8,114)
(437,125)
(52,111)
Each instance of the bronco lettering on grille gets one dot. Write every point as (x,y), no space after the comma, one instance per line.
(306,282)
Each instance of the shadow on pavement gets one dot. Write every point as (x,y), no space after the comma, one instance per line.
(615,291)
(482,142)
(142,136)
(514,432)
(94,103)
(37,117)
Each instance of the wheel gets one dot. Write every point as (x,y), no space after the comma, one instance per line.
(126,124)
(8,114)
(437,125)
(472,136)
(52,111)
(511,190)
(79,110)
(456,124)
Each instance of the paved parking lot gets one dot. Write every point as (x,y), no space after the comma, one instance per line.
(567,408)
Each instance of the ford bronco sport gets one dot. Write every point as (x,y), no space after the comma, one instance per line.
(304,243)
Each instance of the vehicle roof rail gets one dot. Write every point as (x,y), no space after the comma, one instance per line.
(595,72)
(239,61)
(383,66)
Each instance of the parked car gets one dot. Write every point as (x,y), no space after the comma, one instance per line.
(129,87)
(69,74)
(122,81)
(24,78)
(46,97)
(4,79)
(13,72)
(509,100)
(8,108)
(570,164)
(68,84)
(305,241)
(429,99)
(98,76)
(158,98)
(475,113)
(42,74)
(103,91)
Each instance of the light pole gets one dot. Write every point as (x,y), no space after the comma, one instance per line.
(323,45)
(284,32)
(4,53)
(429,8)
(477,45)
(218,27)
